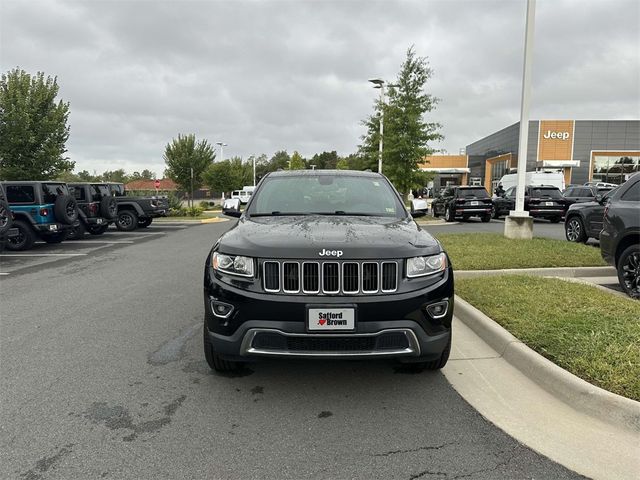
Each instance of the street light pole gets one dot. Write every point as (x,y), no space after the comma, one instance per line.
(254,170)
(379,83)
(518,224)
(221,145)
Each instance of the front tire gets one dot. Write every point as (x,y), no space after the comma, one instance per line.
(495,213)
(574,230)
(77,233)
(448,217)
(25,238)
(629,271)
(98,229)
(215,361)
(127,221)
(485,218)
(145,222)
(433,364)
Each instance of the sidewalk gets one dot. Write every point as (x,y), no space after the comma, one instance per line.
(529,413)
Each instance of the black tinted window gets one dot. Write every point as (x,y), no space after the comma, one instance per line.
(633,194)
(51,191)
(570,192)
(99,191)
(20,194)
(472,193)
(78,193)
(545,193)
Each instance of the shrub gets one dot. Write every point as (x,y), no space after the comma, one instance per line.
(175,203)
(194,211)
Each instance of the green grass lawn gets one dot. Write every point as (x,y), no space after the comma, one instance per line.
(591,333)
(492,251)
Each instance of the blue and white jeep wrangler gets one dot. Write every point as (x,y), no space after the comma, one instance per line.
(42,210)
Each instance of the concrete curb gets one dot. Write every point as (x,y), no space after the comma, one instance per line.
(572,390)
(570,272)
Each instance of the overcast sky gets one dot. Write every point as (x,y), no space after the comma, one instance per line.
(269,75)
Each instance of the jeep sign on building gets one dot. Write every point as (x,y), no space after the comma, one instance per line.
(584,150)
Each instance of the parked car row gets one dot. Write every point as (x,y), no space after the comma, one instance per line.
(54,211)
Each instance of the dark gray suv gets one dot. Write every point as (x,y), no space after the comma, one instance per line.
(620,236)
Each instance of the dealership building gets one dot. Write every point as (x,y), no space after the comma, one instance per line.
(583,150)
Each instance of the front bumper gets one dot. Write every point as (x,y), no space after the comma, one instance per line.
(157,213)
(393,325)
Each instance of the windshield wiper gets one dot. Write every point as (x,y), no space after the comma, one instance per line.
(354,214)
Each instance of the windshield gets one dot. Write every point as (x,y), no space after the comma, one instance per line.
(327,195)
(545,193)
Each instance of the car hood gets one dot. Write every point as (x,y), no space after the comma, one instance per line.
(305,237)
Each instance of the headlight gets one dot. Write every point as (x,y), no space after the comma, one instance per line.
(233,265)
(421,266)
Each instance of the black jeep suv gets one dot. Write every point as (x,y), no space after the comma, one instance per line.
(620,236)
(541,201)
(96,208)
(327,264)
(136,212)
(463,202)
(7,230)
(42,210)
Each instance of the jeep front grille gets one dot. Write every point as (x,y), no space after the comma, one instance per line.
(330,277)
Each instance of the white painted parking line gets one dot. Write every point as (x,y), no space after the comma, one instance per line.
(43,254)
(141,233)
(2,273)
(115,242)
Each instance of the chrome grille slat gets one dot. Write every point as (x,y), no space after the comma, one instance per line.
(290,277)
(331,277)
(348,277)
(311,277)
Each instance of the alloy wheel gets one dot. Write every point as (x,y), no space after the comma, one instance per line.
(574,229)
(631,274)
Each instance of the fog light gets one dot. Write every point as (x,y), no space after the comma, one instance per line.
(438,310)
(221,309)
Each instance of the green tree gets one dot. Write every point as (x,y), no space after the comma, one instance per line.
(219,177)
(407,134)
(296,162)
(33,127)
(85,176)
(342,164)
(325,160)
(185,153)
(119,176)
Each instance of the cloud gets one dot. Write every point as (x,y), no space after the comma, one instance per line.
(269,75)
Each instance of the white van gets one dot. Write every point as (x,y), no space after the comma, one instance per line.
(555,179)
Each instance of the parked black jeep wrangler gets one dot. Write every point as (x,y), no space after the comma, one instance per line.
(327,264)
(137,212)
(7,230)
(463,202)
(42,210)
(96,208)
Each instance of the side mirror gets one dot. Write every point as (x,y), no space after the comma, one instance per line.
(231,207)
(419,207)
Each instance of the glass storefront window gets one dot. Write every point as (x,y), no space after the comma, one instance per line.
(616,169)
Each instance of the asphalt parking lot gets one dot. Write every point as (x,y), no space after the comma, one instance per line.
(103,377)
